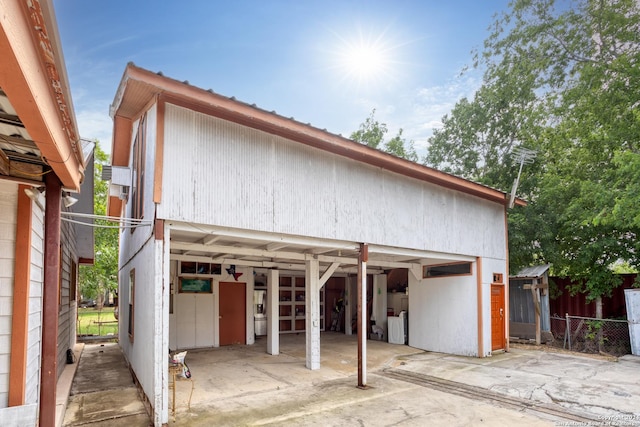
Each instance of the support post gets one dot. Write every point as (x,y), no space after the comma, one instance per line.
(20,317)
(49,370)
(363,257)
(273,305)
(312,313)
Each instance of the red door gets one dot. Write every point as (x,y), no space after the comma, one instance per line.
(497,317)
(233,315)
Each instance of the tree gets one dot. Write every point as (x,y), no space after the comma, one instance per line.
(372,133)
(100,277)
(564,79)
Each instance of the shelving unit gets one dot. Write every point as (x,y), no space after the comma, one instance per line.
(292,305)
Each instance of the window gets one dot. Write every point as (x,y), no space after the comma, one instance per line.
(497,278)
(443,270)
(132,296)
(192,267)
(138,168)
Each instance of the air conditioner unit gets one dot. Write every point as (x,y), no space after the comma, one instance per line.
(124,193)
(119,191)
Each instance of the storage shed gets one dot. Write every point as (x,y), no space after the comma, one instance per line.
(529,304)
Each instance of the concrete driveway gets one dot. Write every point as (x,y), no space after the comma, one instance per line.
(245,386)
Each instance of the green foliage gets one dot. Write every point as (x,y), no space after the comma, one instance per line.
(97,322)
(372,133)
(562,78)
(103,274)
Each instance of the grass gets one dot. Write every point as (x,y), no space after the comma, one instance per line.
(97,322)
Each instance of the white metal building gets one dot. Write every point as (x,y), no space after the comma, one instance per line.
(227,198)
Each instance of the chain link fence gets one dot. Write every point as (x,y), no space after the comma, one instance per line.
(590,335)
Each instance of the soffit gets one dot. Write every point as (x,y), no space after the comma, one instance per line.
(191,242)
(16,144)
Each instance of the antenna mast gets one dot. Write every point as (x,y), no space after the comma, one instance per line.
(521,155)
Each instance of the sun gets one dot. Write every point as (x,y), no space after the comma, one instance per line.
(364,59)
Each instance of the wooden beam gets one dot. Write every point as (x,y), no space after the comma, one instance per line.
(5,164)
(20,316)
(159,159)
(327,274)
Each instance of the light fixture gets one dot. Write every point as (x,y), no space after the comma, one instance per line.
(67,200)
(34,192)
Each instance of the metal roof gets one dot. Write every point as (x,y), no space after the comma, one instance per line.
(15,141)
(531,272)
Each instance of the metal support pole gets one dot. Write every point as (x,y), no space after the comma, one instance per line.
(568,329)
(363,257)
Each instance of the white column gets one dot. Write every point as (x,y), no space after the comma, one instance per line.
(312,313)
(273,313)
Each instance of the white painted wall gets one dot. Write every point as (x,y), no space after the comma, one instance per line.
(195,317)
(243,178)
(140,351)
(443,314)
(140,251)
(8,217)
(34,340)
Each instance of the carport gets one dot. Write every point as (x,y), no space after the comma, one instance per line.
(253,253)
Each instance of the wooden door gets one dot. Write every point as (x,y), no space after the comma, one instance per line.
(233,314)
(497,317)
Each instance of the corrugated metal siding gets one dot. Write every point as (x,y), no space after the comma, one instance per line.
(130,242)
(612,307)
(221,173)
(8,203)
(521,302)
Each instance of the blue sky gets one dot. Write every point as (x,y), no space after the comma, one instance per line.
(294,57)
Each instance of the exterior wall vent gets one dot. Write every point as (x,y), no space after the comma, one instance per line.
(106,172)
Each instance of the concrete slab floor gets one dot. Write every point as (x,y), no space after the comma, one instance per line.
(242,385)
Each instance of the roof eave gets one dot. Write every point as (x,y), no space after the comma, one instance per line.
(251,116)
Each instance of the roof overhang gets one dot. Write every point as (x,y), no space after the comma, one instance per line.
(139,87)
(39,120)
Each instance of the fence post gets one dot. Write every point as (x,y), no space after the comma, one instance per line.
(568,330)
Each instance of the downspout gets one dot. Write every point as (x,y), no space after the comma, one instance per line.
(48,370)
